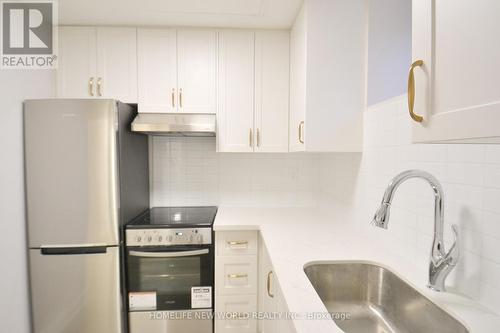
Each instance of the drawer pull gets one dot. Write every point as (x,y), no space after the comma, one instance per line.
(232,243)
(237,276)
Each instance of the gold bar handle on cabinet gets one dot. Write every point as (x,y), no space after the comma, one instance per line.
(99,85)
(91,86)
(173,97)
(232,243)
(411,91)
(301,132)
(250,138)
(237,276)
(268,284)
(180,97)
(258,138)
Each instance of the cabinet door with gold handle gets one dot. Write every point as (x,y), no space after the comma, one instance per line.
(91,86)
(411,91)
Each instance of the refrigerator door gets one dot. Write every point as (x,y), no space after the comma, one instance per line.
(71,172)
(75,293)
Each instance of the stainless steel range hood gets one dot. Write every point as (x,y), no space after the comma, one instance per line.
(175,124)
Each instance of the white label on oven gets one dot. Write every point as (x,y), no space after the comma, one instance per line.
(201,297)
(142,300)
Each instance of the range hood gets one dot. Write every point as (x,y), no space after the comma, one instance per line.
(175,124)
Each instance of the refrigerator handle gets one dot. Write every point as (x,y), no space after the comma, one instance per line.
(73,250)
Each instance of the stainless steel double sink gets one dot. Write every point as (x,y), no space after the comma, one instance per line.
(368,298)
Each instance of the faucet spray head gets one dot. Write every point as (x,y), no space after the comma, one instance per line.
(381,217)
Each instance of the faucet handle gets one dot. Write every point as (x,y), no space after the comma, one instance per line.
(454,253)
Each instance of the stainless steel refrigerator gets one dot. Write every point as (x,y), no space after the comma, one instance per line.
(86,175)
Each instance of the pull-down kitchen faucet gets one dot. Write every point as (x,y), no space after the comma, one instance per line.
(441,262)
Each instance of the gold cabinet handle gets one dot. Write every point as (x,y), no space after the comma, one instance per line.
(258,138)
(173,97)
(250,138)
(237,276)
(411,92)
(301,132)
(180,97)
(91,86)
(99,85)
(268,284)
(232,243)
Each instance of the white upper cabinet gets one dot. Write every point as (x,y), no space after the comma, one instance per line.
(253,102)
(196,56)
(272,87)
(157,70)
(97,63)
(328,47)
(117,64)
(76,74)
(177,70)
(456,88)
(235,114)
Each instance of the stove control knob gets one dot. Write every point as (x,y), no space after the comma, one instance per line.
(191,238)
(138,239)
(169,238)
(160,238)
(150,239)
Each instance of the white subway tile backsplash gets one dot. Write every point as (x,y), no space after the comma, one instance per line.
(188,171)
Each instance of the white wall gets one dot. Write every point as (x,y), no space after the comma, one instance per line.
(15,86)
(470,175)
(389,48)
(188,171)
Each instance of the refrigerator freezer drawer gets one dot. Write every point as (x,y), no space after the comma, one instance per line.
(71,172)
(188,321)
(75,293)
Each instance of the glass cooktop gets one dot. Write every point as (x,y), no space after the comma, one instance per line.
(175,217)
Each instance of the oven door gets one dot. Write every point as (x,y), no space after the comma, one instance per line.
(162,278)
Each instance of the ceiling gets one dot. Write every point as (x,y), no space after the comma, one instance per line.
(210,13)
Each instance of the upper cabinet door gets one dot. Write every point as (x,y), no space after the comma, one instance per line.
(456,88)
(157,70)
(196,58)
(76,76)
(117,64)
(236,91)
(272,86)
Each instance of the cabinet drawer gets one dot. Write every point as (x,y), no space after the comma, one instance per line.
(236,275)
(230,243)
(235,314)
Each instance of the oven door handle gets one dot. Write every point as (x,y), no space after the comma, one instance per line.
(168,254)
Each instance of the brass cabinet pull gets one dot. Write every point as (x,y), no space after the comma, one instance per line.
(180,97)
(411,92)
(258,138)
(91,86)
(250,138)
(268,284)
(237,243)
(173,97)
(301,132)
(99,84)
(237,276)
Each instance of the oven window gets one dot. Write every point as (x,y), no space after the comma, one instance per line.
(170,277)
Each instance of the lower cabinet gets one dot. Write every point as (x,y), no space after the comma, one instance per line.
(248,298)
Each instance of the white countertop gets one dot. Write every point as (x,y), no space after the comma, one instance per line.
(297,236)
